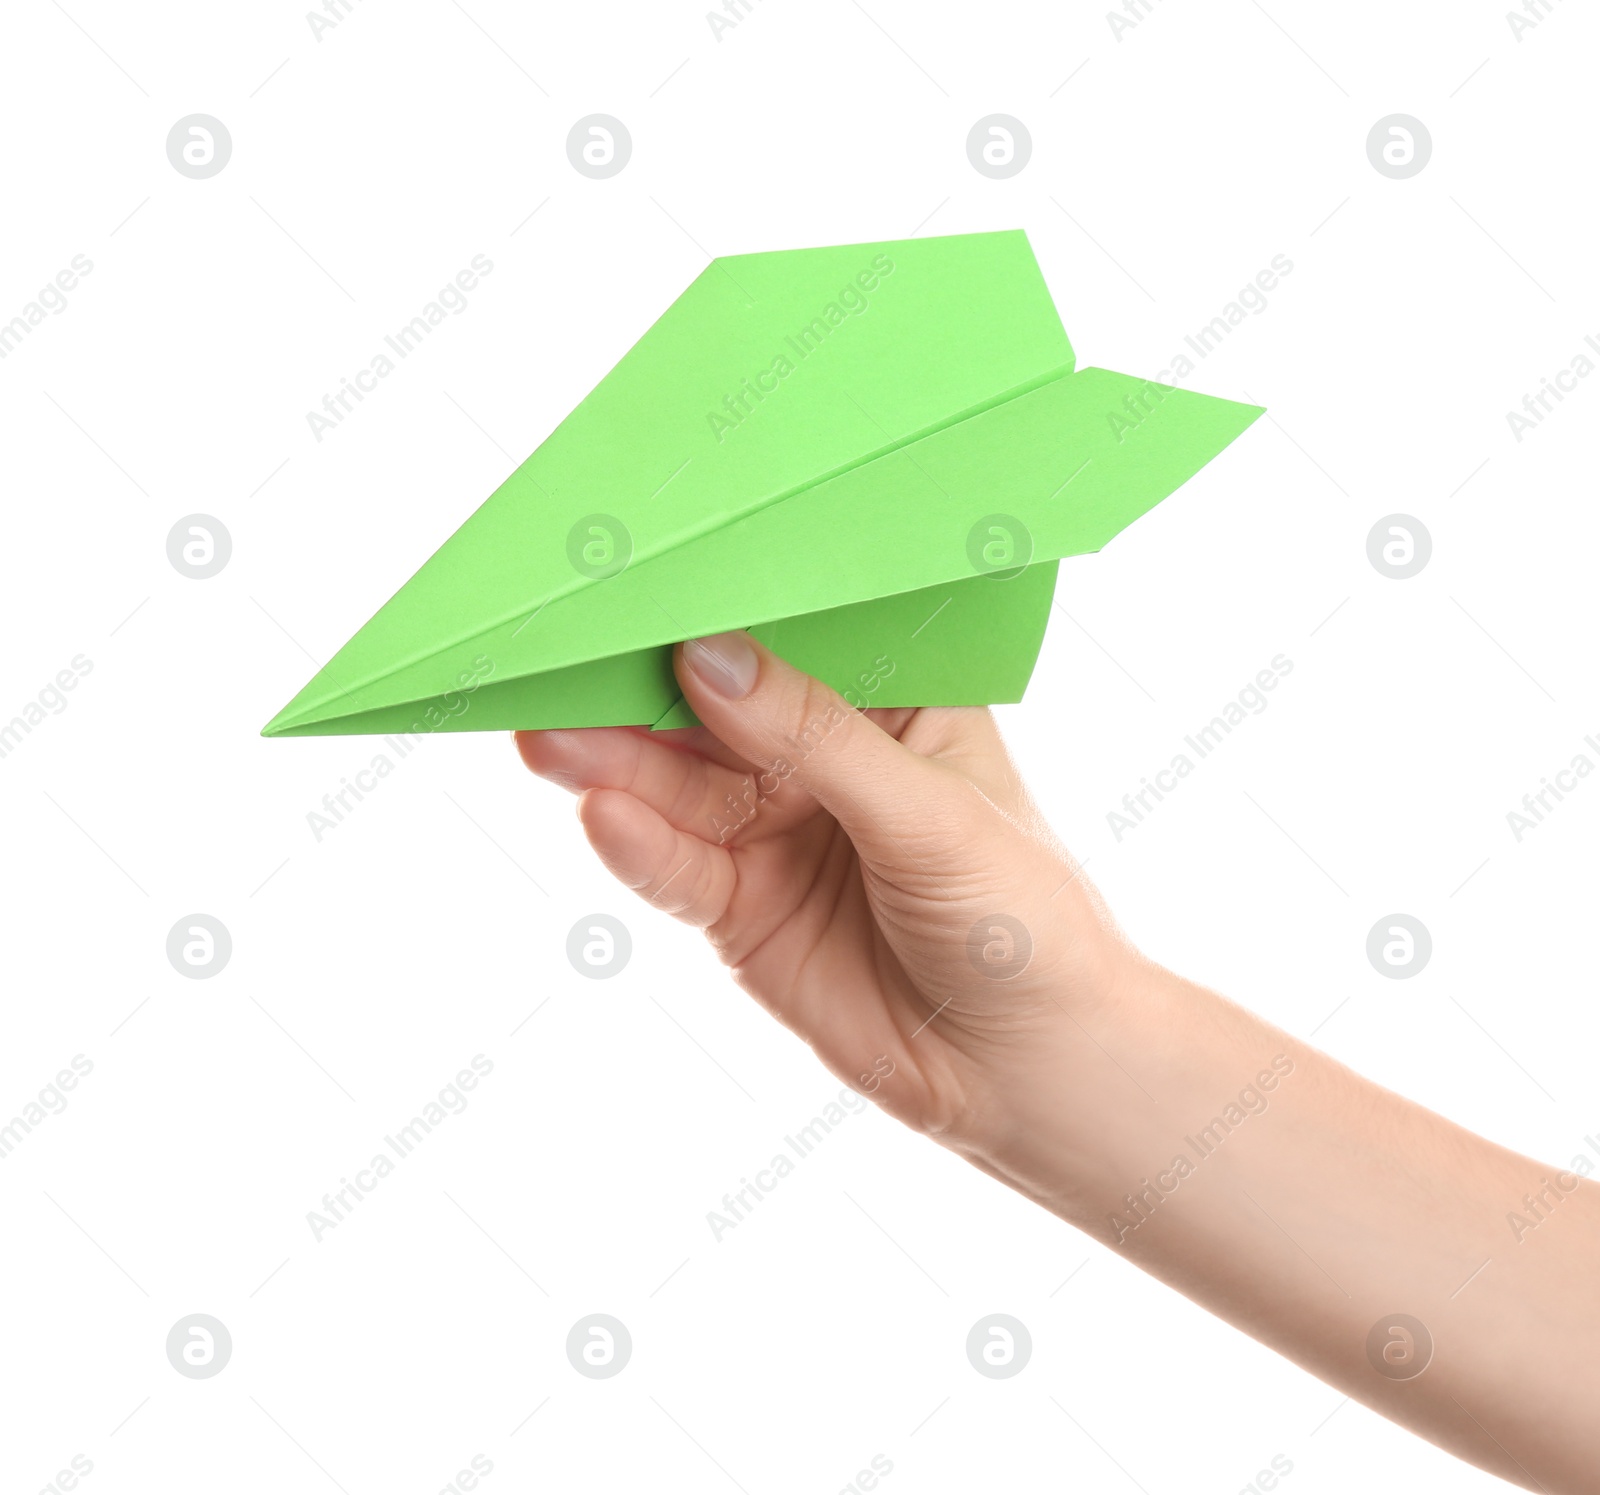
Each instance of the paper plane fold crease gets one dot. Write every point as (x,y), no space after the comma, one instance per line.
(872,456)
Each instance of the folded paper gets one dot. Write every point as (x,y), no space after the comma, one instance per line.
(872,456)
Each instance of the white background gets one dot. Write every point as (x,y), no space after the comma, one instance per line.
(367,169)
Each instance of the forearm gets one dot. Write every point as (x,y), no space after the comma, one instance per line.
(1314,1210)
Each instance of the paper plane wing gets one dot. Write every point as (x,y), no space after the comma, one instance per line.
(870,455)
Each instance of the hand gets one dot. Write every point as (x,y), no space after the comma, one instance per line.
(880,881)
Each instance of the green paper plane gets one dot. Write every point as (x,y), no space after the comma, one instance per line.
(872,456)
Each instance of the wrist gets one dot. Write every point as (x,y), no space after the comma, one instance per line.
(1076,1098)
(1123,1084)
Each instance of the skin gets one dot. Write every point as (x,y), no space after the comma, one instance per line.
(886,888)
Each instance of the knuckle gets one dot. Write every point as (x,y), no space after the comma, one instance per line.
(819,715)
(681,884)
(685,794)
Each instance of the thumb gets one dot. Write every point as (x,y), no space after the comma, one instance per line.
(884,795)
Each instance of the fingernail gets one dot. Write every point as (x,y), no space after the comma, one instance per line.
(726,662)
